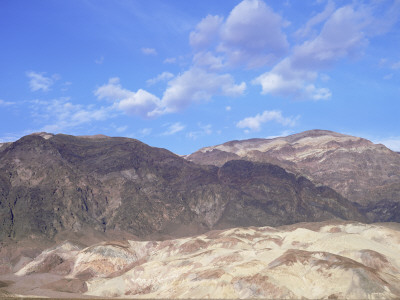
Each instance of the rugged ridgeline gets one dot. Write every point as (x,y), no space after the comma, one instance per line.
(55,183)
(360,170)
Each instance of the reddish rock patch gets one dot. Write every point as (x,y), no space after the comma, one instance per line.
(226,260)
(192,246)
(210,274)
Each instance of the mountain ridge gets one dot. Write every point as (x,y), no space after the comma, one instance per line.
(353,166)
(52,183)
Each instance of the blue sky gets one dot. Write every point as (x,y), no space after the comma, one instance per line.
(184,74)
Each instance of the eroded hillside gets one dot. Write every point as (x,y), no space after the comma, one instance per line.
(309,260)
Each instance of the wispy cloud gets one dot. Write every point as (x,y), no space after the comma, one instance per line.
(309,28)
(145,132)
(161,77)
(203,131)
(6,103)
(174,128)
(61,114)
(100,60)
(388,76)
(170,60)
(149,51)
(121,129)
(254,123)
(37,81)
(396,65)
(344,33)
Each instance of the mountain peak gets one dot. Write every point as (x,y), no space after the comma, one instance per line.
(353,166)
(43,134)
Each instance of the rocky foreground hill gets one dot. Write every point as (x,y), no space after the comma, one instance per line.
(331,260)
(363,172)
(55,183)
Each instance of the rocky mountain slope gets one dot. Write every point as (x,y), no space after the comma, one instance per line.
(310,260)
(360,170)
(55,183)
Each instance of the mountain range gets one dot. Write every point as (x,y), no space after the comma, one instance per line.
(55,183)
(89,214)
(365,173)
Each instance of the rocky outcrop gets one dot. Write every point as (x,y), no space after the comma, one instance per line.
(361,171)
(58,183)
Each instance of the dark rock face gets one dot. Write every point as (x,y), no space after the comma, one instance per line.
(269,192)
(50,184)
(361,171)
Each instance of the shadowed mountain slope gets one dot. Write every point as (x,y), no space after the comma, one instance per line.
(56,183)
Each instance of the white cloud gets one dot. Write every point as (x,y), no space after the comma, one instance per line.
(149,51)
(284,80)
(61,114)
(112,90)
(140,103)
(6,103)
(208,60)
(170,60)
(228,108)
(39,82)
(254,123)
(307,29)
(197,85)
(342,35)
(194,85)
(174,128)
(206,32)
(252,35)
(161,77)
(317,93)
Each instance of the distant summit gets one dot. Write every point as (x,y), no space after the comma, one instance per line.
(360,170)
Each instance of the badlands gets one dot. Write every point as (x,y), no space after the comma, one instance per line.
(331,259)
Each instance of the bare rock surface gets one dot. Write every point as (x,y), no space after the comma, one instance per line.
(360,170)
(52,184)
(335,260)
